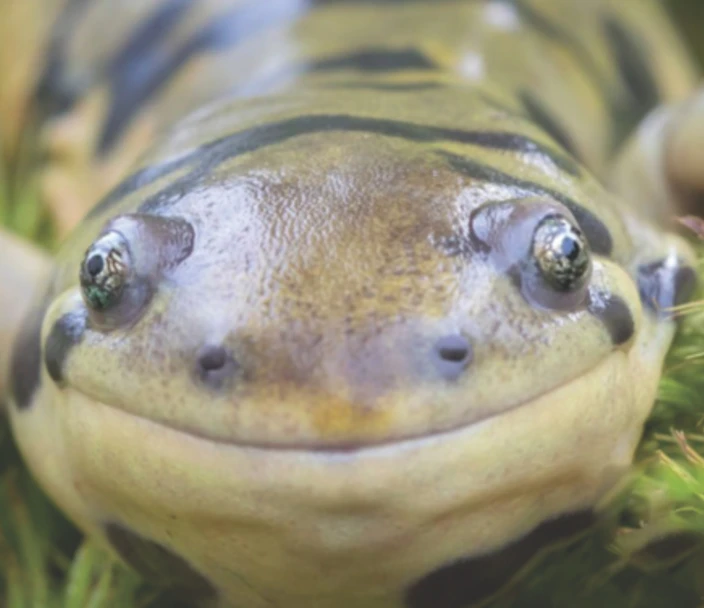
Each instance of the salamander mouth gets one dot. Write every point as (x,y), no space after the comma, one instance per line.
(351,447)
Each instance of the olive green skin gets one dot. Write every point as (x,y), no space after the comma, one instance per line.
(328,253)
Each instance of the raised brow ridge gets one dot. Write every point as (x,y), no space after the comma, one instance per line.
(212,154)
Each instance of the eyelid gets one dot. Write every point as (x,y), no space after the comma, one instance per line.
(156,245)
(505,233)
(504,230)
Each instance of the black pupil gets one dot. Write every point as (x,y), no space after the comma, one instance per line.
(95,265)
(569,248)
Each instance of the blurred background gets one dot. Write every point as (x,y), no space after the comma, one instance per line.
(690,15)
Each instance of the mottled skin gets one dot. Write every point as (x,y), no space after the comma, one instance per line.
(336,372)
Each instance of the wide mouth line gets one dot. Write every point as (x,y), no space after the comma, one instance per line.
(352,447)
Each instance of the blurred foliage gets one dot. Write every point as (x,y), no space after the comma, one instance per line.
(690,18)
(44,562)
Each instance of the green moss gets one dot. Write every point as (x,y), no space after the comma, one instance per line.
(648,552)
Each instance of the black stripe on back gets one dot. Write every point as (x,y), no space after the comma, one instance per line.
(632,63)
(542,117)
(372,60)
(375,60)
(142,68)
(209,156)
(400,87)
(612,94)
(54,93)
(550,30)
(597,233)
(260,137)
(381,2)
(142,179)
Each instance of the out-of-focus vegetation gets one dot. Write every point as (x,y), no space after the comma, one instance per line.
(44,562)
(690,18)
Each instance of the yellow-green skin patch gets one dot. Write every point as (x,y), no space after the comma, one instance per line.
(337,371)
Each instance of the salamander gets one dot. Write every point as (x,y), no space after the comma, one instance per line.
(369,300)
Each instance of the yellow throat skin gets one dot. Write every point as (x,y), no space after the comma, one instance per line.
(367,313)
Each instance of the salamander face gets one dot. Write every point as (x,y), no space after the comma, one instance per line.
(345,282)
(331,336)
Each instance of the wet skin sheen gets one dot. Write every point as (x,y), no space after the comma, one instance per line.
(354,322)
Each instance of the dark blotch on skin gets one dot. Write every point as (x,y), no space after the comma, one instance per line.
(215,366)
(662,285)
(671,548)
(614,313)
(66,333)
(597,233)
(452,355)
(157,564)
(25,366)
(468,581)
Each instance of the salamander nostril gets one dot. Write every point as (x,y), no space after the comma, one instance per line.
(215,366)
(212,358)
(453,355)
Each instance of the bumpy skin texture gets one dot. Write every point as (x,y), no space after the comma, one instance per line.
(335,377)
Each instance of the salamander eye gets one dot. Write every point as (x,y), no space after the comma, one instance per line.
(540,246)
(561,253)
(105,271)
(125,266)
